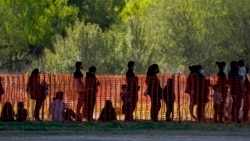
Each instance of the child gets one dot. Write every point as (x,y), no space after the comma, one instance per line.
(108,113)
(218,103)
(21,112)
(7,112)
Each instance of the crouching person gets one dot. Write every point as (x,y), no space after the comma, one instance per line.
(108,113)
(58,107)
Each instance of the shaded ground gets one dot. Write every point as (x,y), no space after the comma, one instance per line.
(120,131)
(150,136)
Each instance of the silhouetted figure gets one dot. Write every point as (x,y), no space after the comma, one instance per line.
(91,90)
(7,112)
(21,112)
(154,90)
(80,89)
(190,89)
(37,91)
(235,83)
(108,113)
(130,94)
(245,86)
(169,98)
(58,107)
(1,89)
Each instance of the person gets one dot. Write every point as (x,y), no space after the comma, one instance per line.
(199,90)
(58,107)
(37,91)
(7,113)
(245,86)
(220,91)
(80,89)
(235,83)
(91,90)
(1,89)
(21,112)
(130,95)
(169,97)
(108,113)
(154,90)
(189,89)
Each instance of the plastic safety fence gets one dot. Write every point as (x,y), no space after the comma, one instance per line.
(175,97)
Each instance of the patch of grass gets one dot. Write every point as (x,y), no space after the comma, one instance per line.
(85,127)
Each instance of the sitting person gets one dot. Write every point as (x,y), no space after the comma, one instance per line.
(108,113)
(69,115)
(7,112)
(21,112)
(58,107)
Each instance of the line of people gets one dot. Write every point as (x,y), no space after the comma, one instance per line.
(231,89)
(230,93)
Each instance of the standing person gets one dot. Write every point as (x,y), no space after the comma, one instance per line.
(201,91)
(190,89)
(91,90)
(154,91)
(221,89)
(235,83)
(169,98)
(37,91)
(58,107)
(130,97)
(80,89)
(245,86)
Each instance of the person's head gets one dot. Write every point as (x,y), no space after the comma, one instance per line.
(92,69)
(108,104)
(131,65)
(192,69)
(241,63)
(79,65)
(59,95)
(199,69)
(221,65)
(234,66)
(155,68)
(7,107)
(20,105)
(35,72)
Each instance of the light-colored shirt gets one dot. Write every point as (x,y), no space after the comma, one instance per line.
(56,110)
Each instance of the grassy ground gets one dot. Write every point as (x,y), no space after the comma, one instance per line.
(119,127)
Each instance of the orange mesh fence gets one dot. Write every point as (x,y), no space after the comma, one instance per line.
(135,101)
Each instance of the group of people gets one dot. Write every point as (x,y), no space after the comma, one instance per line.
(230,92)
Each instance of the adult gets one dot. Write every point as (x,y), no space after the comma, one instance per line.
(154,90)
(37,91)
(58,107)
(235,83)
(130,97)
(91,90)
(221,89)
(80,89)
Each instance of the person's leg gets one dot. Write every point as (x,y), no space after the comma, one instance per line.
(79,105)
(38,106)
(215,112)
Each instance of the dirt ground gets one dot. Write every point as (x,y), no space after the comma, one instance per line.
(162,136)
